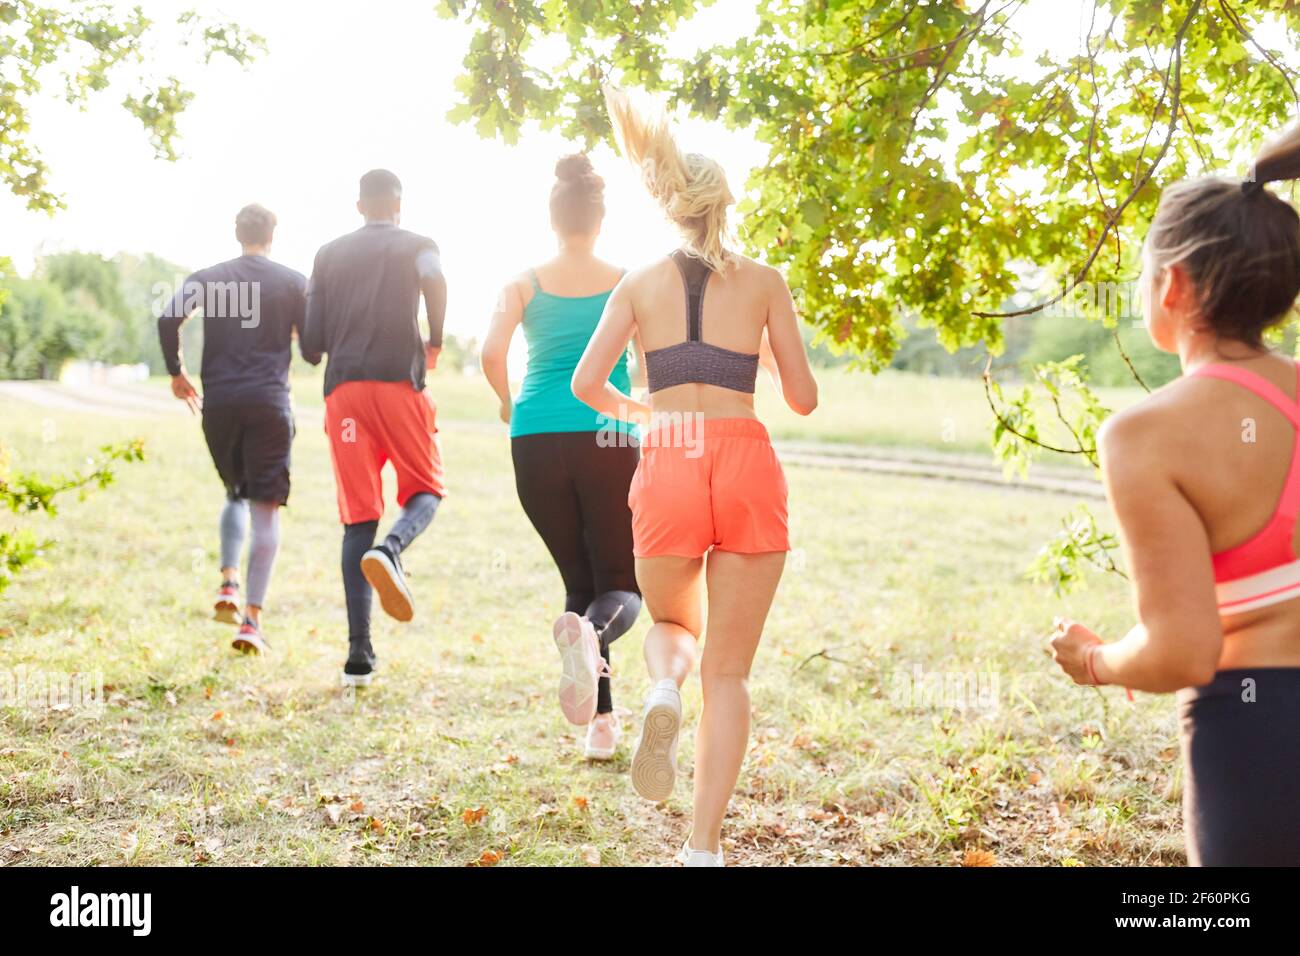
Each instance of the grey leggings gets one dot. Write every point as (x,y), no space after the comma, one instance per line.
(261,551)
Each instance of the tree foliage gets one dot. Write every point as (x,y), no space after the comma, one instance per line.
(916,162)
(28,493)
(83,45)
(920,164)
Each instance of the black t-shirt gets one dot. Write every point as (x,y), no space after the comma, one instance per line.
(363,306)
(251,308)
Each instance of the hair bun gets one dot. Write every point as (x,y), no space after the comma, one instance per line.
(574,167)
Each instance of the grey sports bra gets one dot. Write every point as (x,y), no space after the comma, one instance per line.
(696,361)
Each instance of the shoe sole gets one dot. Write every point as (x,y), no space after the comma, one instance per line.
(578,678)
(383,577)
(226,613)
(654,770)
(250,645)
(357,680)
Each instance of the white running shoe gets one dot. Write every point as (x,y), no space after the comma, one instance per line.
(602,737)
(581,667)
(691,857)
(654,757)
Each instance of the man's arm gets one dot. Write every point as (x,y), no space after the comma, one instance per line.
(173,316)
(298,305)
(433,286)
(311,341)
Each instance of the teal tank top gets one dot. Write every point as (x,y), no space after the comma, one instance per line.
(557,329)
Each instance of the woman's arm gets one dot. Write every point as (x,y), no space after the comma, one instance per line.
(508,314)
(793,373)
(638,376)
(591,377)
(1179,640)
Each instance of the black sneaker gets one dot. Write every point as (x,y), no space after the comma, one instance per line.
(383,569)
(361,663)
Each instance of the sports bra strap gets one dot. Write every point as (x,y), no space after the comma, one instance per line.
(1258,385)
(695,276)
(532,274)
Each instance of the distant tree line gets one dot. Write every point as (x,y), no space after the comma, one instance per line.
(82,305)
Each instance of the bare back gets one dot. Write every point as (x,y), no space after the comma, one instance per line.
(1227,452)
(735,312)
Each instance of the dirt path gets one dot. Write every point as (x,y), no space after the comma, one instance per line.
(141,401)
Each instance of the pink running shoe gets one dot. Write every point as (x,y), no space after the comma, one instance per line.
(226,608)
(581,667)
(250,639)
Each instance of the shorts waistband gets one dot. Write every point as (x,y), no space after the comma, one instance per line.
(690,428)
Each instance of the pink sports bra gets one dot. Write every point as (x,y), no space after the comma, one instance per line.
(1263,570)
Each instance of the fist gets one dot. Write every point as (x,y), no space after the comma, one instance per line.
(1070,643)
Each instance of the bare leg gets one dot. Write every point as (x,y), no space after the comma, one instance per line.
(741,587)
(671,587)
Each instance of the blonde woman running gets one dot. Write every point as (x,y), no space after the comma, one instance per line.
(709,497)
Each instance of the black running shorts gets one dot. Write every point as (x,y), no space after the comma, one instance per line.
(250,446)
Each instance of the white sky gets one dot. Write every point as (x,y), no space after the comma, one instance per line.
(344,88)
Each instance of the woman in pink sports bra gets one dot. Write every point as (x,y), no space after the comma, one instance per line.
(1204,477)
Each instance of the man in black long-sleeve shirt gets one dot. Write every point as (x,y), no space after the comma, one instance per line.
(363,304)
(252,308)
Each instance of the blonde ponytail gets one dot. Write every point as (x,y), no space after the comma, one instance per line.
(692,189)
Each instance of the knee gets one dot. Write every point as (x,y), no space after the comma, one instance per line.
(716,673)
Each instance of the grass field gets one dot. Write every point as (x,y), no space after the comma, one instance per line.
(459,754)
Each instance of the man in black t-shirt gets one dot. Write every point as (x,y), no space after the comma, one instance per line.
(363,304)
(252,308)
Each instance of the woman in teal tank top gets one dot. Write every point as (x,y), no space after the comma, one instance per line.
(573,467)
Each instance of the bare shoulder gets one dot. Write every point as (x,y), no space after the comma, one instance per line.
(1153,430)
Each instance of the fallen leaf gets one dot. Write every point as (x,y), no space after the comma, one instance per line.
(357,806)
(580,803)
(377,825)
(490,858)
(979,858)
(474,815)
(590,855)
(334,813)
(218,715)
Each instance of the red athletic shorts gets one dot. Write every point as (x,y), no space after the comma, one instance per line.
(708,483)
(369,423)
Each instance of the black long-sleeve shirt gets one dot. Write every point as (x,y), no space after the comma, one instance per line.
(363,305)
(251,308)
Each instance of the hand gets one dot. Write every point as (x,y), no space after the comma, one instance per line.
(1070,648)
(506,408)
(183,389)
(431,353)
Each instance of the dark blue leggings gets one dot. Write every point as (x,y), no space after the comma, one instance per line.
(1241,760)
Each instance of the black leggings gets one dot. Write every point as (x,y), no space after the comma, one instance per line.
(575,494)
(1241,763)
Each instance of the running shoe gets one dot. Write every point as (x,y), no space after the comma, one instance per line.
(226,608)
(361,664)
(383,569)
(250,639)
(581,667)
(690,857)
(602,737)
(654,756)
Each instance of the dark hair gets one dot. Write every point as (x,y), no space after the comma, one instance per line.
(380,184)
(1239,243)
(578,196)
(254,225)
